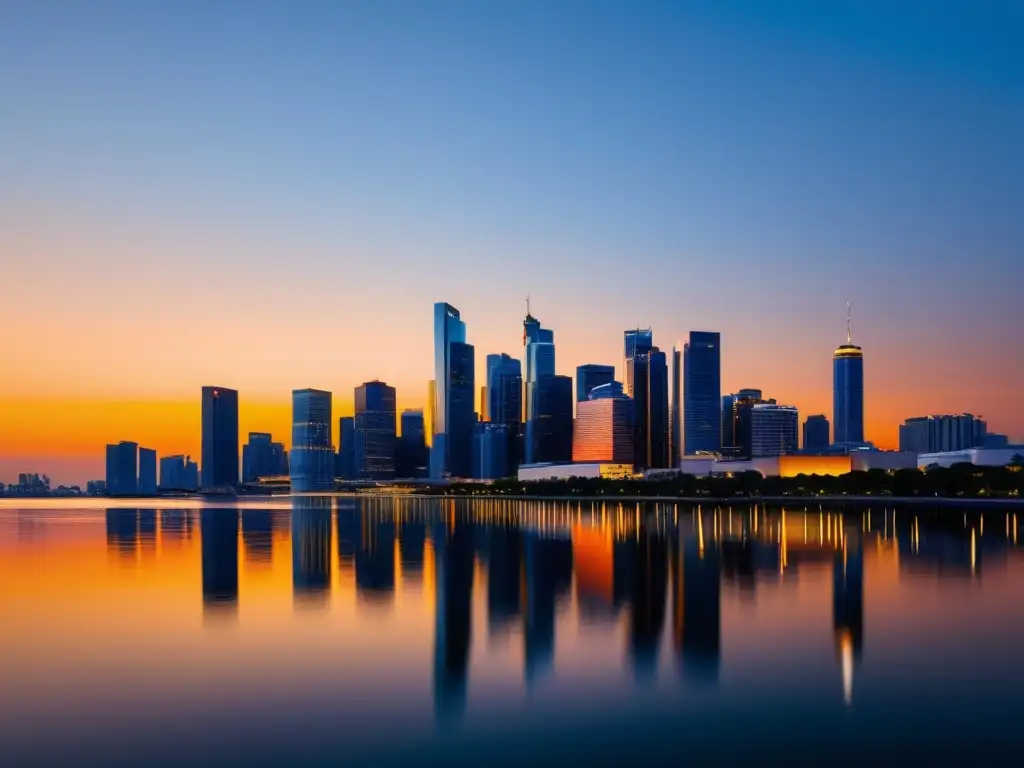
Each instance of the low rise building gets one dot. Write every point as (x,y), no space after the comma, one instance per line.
(534,472)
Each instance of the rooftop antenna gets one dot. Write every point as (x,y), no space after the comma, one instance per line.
(527,304)
(849,335)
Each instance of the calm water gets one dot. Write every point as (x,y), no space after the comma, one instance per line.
(399,630)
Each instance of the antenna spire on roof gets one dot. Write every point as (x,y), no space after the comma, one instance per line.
(849,334)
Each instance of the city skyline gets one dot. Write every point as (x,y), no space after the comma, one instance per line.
(787,159)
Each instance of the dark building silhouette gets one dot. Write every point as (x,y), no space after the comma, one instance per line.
(220,438)
(647,615)
(552,430)
(702,392)
(462,409)
(412,457)
(454,395)
(676,409)
(816,433)
(411,548)
(346,468)
(505,404)
(504,575)
(376,431)
(262,457)
(375,560)
(590,376)
(147,472)
(548,567)
(123,469)
(258,534)
(453,563)
(737,422)
(219,535)
(657,411)
(696,609)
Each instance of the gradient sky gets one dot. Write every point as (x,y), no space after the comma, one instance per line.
(270,195)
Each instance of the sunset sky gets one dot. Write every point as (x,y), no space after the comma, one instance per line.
(270,195)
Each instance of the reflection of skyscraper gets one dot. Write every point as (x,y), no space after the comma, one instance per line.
(219,534)
(702,392)
(453,580)
(647,617)
(257,534)
(175,526)
(311,547)
(123,531)
(848,608)
(696,598)
(504,572)
(375,559)
(375,431)
(411,541)
(220,437)
(312,454)
(548,566)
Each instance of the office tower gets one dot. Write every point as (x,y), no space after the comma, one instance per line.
(637,347)
(702,393)
(411,455)
(172,471)
(604,430)
(774,430)
(376,429)
(675,409)
(848,390)
(122,469)
(552,432)
(590,376)
(816,433)
(220,437)
(657,410)
(312,455)
(262,457)
(736,422)
(505,393)
(611,389)
(941,433)
(147,472)
(191,475)
(454,393)
(539,354)
(346,468)
(490,451)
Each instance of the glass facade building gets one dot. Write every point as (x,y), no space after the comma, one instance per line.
(647,384)
(604,430)
(147,472)
(590,376)
(220,437)
(848,394)
(943,433)
(346,468)
(539,353)
(123,469)
(552,432)
(657,410)
(490,451)
(817,433)
(411,456)
(312,454)
(675,445)
(736,423)
(454,395)
(774,430)
(178,473)
(376,431)
(702,393)
(505,395)
(262,457)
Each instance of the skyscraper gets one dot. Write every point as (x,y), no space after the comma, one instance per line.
(490,451)
(220,437)
(312,455)
(637,347)
(454,395)
(262,457)
(816,433)
(675,409)
(122,469)
(736,422)
(539,353)
(347,448)
(848,390)
(702,392)
(657,410)
(411,457)
(552,431)
(505,395)
(147,472)
(945,432)
(178,473)
(774,430)
(376,428)
(590,376)
(604,430)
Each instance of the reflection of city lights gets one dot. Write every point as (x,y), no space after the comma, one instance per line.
(974,552)
(846,654)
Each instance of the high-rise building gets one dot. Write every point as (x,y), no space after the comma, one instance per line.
(376,429)
(590,376)
(604,430)
(411,455)
(848,391)
(774,430)
(122,469)
(178,473)
(816,433)
(676,408)
(220,437)
(454,395)
(262,457)
(312,454)
(490,451)
(647,384)
(657,410)
(539,354)
(736,422)
(943,432)
(505,395)
(346,468)
(702,393)
(191,475)
(147,472)
(611,389)
(552,432)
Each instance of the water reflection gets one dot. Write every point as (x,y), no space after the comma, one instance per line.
(311,551)
(219,534)
(453,580)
